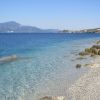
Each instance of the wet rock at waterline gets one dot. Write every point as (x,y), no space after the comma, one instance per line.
(53,98)
(78,66)
(94,50)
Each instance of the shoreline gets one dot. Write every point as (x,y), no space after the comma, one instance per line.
(87,87)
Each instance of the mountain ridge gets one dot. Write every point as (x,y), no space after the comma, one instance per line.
(14,27)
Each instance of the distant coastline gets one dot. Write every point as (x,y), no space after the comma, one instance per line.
(94,30)
(14,27)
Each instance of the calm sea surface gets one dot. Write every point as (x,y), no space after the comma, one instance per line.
(45,64)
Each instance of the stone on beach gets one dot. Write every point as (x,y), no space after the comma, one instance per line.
(53,98)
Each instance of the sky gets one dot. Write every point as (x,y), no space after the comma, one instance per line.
(52,14)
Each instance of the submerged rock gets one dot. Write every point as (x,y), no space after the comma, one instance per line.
(92,55)
(83,53)
(8,58)
(80,58)
(92,65)
(12,58)
(78,66)
(53,98)
(98,42)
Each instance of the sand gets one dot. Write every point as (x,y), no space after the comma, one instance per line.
(88,86)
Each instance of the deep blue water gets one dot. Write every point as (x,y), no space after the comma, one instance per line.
(45,64)
(19,43)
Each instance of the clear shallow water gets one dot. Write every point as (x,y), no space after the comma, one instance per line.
(48,67)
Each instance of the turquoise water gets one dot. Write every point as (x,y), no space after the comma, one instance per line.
(45,64)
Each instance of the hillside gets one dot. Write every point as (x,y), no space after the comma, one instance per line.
(14,27)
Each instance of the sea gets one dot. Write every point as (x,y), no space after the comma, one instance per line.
(45,63)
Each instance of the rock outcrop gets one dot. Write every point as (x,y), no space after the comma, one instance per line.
(94,50)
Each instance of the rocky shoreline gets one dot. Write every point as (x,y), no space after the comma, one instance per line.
(88,86)
(93,52)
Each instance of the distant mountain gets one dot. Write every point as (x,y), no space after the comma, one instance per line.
(14,27)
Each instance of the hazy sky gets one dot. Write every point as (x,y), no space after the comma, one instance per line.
(61,14)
